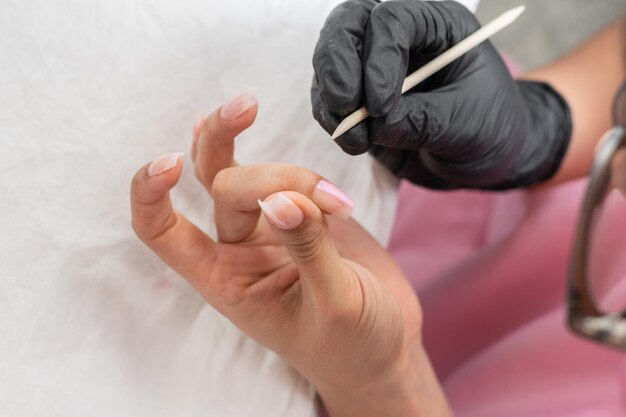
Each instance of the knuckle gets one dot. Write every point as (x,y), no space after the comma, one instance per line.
(150,230)
(220,186)
(338,13)
(285,175)
(351,14)
(351,4)
(350,8)
(302,179)
(338,74)
(387,12)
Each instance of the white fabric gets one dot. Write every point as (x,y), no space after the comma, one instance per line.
(91,322)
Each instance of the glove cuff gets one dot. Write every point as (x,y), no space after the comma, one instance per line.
(548,138)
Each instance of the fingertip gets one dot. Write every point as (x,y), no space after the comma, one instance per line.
(223,125)
(298,223)
(241,109)
(153,180)
(164,163)
(282,212)
(246,119)
(330,198)
(176,240)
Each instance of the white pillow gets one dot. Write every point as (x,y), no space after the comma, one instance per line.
(91,322)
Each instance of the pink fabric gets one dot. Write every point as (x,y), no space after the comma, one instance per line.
(490,271)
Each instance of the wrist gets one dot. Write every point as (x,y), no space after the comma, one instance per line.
(408,387)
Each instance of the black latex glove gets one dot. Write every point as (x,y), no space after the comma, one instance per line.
(470,125)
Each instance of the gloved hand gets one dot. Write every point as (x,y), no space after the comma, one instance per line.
(468,126)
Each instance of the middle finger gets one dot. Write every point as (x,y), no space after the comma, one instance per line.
(237,191)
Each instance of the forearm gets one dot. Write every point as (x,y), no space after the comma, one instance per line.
(411,390)
(587,79)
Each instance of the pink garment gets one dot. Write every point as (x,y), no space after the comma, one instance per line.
(490,271)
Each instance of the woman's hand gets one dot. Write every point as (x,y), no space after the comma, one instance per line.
(328,299)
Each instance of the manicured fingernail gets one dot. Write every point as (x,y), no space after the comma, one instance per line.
(164,163)
(238,106)
(282,212)
(335,201)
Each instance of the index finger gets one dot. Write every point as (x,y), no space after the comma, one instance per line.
(237,191)
(169,234)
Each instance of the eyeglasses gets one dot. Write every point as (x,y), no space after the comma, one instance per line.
(585,317)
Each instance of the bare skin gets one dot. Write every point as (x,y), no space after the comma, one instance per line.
(588,78)
(324,295)
(321,293)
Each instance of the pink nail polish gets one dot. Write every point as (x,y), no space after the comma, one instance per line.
(333,200)
(163,163)
(282,212)
(238,106)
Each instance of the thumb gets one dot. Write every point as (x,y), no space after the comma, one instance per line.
(301,226)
